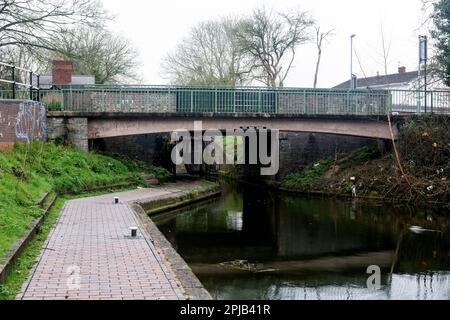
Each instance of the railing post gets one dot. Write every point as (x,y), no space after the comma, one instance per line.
(62,99)
(259,101)
(215,100)
(234,101)
(432,103)
(419,103)
(38,87)
(304,102)
(390,109)
(14,82)
(170,102)
(348,102)
(72,101)
(192,100)
(316,106)
(31,85)
(357,102)
(120,99)
(276,100)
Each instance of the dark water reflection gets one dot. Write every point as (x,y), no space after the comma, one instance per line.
(254,244)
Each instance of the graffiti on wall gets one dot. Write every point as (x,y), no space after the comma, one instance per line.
(31,122)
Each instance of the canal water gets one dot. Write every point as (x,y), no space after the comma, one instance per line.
(255,244)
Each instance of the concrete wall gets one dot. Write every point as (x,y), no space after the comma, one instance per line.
(72,130)
(22,121)
(298,149)
(149,148)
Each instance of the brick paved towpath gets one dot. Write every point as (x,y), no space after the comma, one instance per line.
(90,255)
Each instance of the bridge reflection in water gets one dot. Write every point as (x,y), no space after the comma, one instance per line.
(281,247)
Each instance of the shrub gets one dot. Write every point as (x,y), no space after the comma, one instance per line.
(424,143)
(308,177)
(360,156)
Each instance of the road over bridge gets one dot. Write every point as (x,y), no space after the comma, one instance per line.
(84,113)
(96,112)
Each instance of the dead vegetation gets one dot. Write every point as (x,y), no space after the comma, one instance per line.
(424,152)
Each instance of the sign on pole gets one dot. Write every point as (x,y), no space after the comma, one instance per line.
(423,49)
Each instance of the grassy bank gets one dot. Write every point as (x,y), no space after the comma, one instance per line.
(28,171)
(421,172)
(25,262)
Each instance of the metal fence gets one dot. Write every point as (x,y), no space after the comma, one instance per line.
(15,79)
(183,99)
(216,100)
(419,101)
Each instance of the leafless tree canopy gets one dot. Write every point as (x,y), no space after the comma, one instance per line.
(320,38)
(271,39)
(208,55)
(35,22)
(260,47)
(33,32)
(110,58)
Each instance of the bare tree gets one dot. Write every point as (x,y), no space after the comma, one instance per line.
(35,22)
(385,53)
(97,52)
(271,40)
(20,56)
(207,56)
(427,9)
(320,37)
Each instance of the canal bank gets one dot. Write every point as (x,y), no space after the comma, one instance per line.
(415,168)
(91,255)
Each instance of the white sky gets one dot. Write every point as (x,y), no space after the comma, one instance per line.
(155,27)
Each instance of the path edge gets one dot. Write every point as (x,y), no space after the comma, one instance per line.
(187,281)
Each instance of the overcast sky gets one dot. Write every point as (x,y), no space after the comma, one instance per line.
(155,27)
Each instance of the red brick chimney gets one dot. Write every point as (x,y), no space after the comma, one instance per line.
(402,70)
(62,72)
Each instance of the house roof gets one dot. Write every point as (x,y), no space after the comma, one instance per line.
(396,78)
(46,81)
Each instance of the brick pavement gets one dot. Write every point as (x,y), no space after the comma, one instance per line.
(89,254)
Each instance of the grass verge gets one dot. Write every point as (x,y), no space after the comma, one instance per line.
(25,262)
(29,171)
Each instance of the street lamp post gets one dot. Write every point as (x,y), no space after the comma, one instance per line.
(423,59)
(352,86)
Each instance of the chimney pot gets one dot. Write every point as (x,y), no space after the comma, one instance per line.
(62,72)
(402,70)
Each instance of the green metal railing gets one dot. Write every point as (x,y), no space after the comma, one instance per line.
(199,99)
(419,101)
(216,100)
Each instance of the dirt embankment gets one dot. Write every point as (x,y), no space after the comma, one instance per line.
(421,172)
